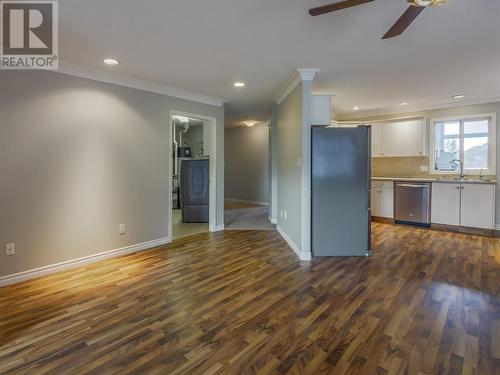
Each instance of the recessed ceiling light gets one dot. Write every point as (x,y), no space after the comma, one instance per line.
(239,84)
(356,108)
(459,96)
(111,61)
(404,103)
(250,123)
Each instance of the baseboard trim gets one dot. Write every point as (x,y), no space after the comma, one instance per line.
(272,221)
(219,228)
(296,249)
(266,204)
(69,264)
(497,227)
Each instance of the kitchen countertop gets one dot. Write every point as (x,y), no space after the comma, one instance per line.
(430,179)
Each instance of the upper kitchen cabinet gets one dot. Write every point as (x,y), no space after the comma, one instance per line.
(402,138)
(377,140)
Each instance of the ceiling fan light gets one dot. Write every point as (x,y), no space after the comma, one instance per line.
(426,3)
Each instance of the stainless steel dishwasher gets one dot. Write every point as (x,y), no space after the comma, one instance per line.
(412,203)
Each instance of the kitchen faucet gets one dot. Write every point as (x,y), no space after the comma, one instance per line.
(461,167)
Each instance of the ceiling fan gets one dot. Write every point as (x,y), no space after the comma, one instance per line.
(416,7)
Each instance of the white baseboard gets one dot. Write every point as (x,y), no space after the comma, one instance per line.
(273,221)
(497,227)
(245,201)
(293,245)
(219,228)
(46,270)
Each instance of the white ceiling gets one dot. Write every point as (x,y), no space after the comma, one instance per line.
(204,46)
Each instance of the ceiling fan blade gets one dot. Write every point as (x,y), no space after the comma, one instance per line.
(403,22)
(336,6)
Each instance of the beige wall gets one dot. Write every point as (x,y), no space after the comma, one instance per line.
(385,165)
(78,158)
(247,155)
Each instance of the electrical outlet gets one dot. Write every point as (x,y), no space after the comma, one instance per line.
(122,229)
(10,249)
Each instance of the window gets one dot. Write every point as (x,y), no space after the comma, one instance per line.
(469,139)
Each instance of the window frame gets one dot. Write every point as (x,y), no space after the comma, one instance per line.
(491,117)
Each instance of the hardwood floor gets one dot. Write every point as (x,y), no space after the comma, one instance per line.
(240,302)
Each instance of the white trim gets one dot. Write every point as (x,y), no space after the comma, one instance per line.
(307,74)
(212,205)
(273,221)
(301,255)
(497,227)
(69,264)
(296,78)
(120,80)
(266,204)
(492,142)
(219,228)
(420,108)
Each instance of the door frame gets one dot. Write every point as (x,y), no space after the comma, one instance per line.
(212,200)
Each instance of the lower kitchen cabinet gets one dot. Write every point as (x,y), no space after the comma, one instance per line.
(445,204)
(477,206)
(383,199)
(467,205)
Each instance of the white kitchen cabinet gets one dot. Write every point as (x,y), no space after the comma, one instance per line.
(468,205)
(376,201)
(391,139)
(376,140)
(412,138)
(382,199)
(445,204)
(403,138)
(321,110)
(478,206)
(387,207)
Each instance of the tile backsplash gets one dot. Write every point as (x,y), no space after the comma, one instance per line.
(399,167)
(402,167)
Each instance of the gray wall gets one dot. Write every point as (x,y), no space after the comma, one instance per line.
(247,155)
(79,157)
(273,165)
(289,149)
(450,112)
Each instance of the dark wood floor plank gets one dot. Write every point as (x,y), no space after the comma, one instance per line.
(239,302)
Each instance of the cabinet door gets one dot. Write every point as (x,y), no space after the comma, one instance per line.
(376,201)
(445,204)
(387,204)
(391,139)
(376,140)
(411,133)
(478,206)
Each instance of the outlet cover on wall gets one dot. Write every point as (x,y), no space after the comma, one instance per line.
(10,249)
(122,229)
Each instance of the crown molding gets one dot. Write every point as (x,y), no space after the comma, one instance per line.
(297,77)
(120,80)
(412,110)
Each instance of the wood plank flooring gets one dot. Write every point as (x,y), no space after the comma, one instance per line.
(239,302)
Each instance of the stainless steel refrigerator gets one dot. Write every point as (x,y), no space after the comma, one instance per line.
(341,184)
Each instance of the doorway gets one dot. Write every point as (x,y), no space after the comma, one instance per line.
(192,173)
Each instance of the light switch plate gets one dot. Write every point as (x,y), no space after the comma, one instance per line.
(122,229)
